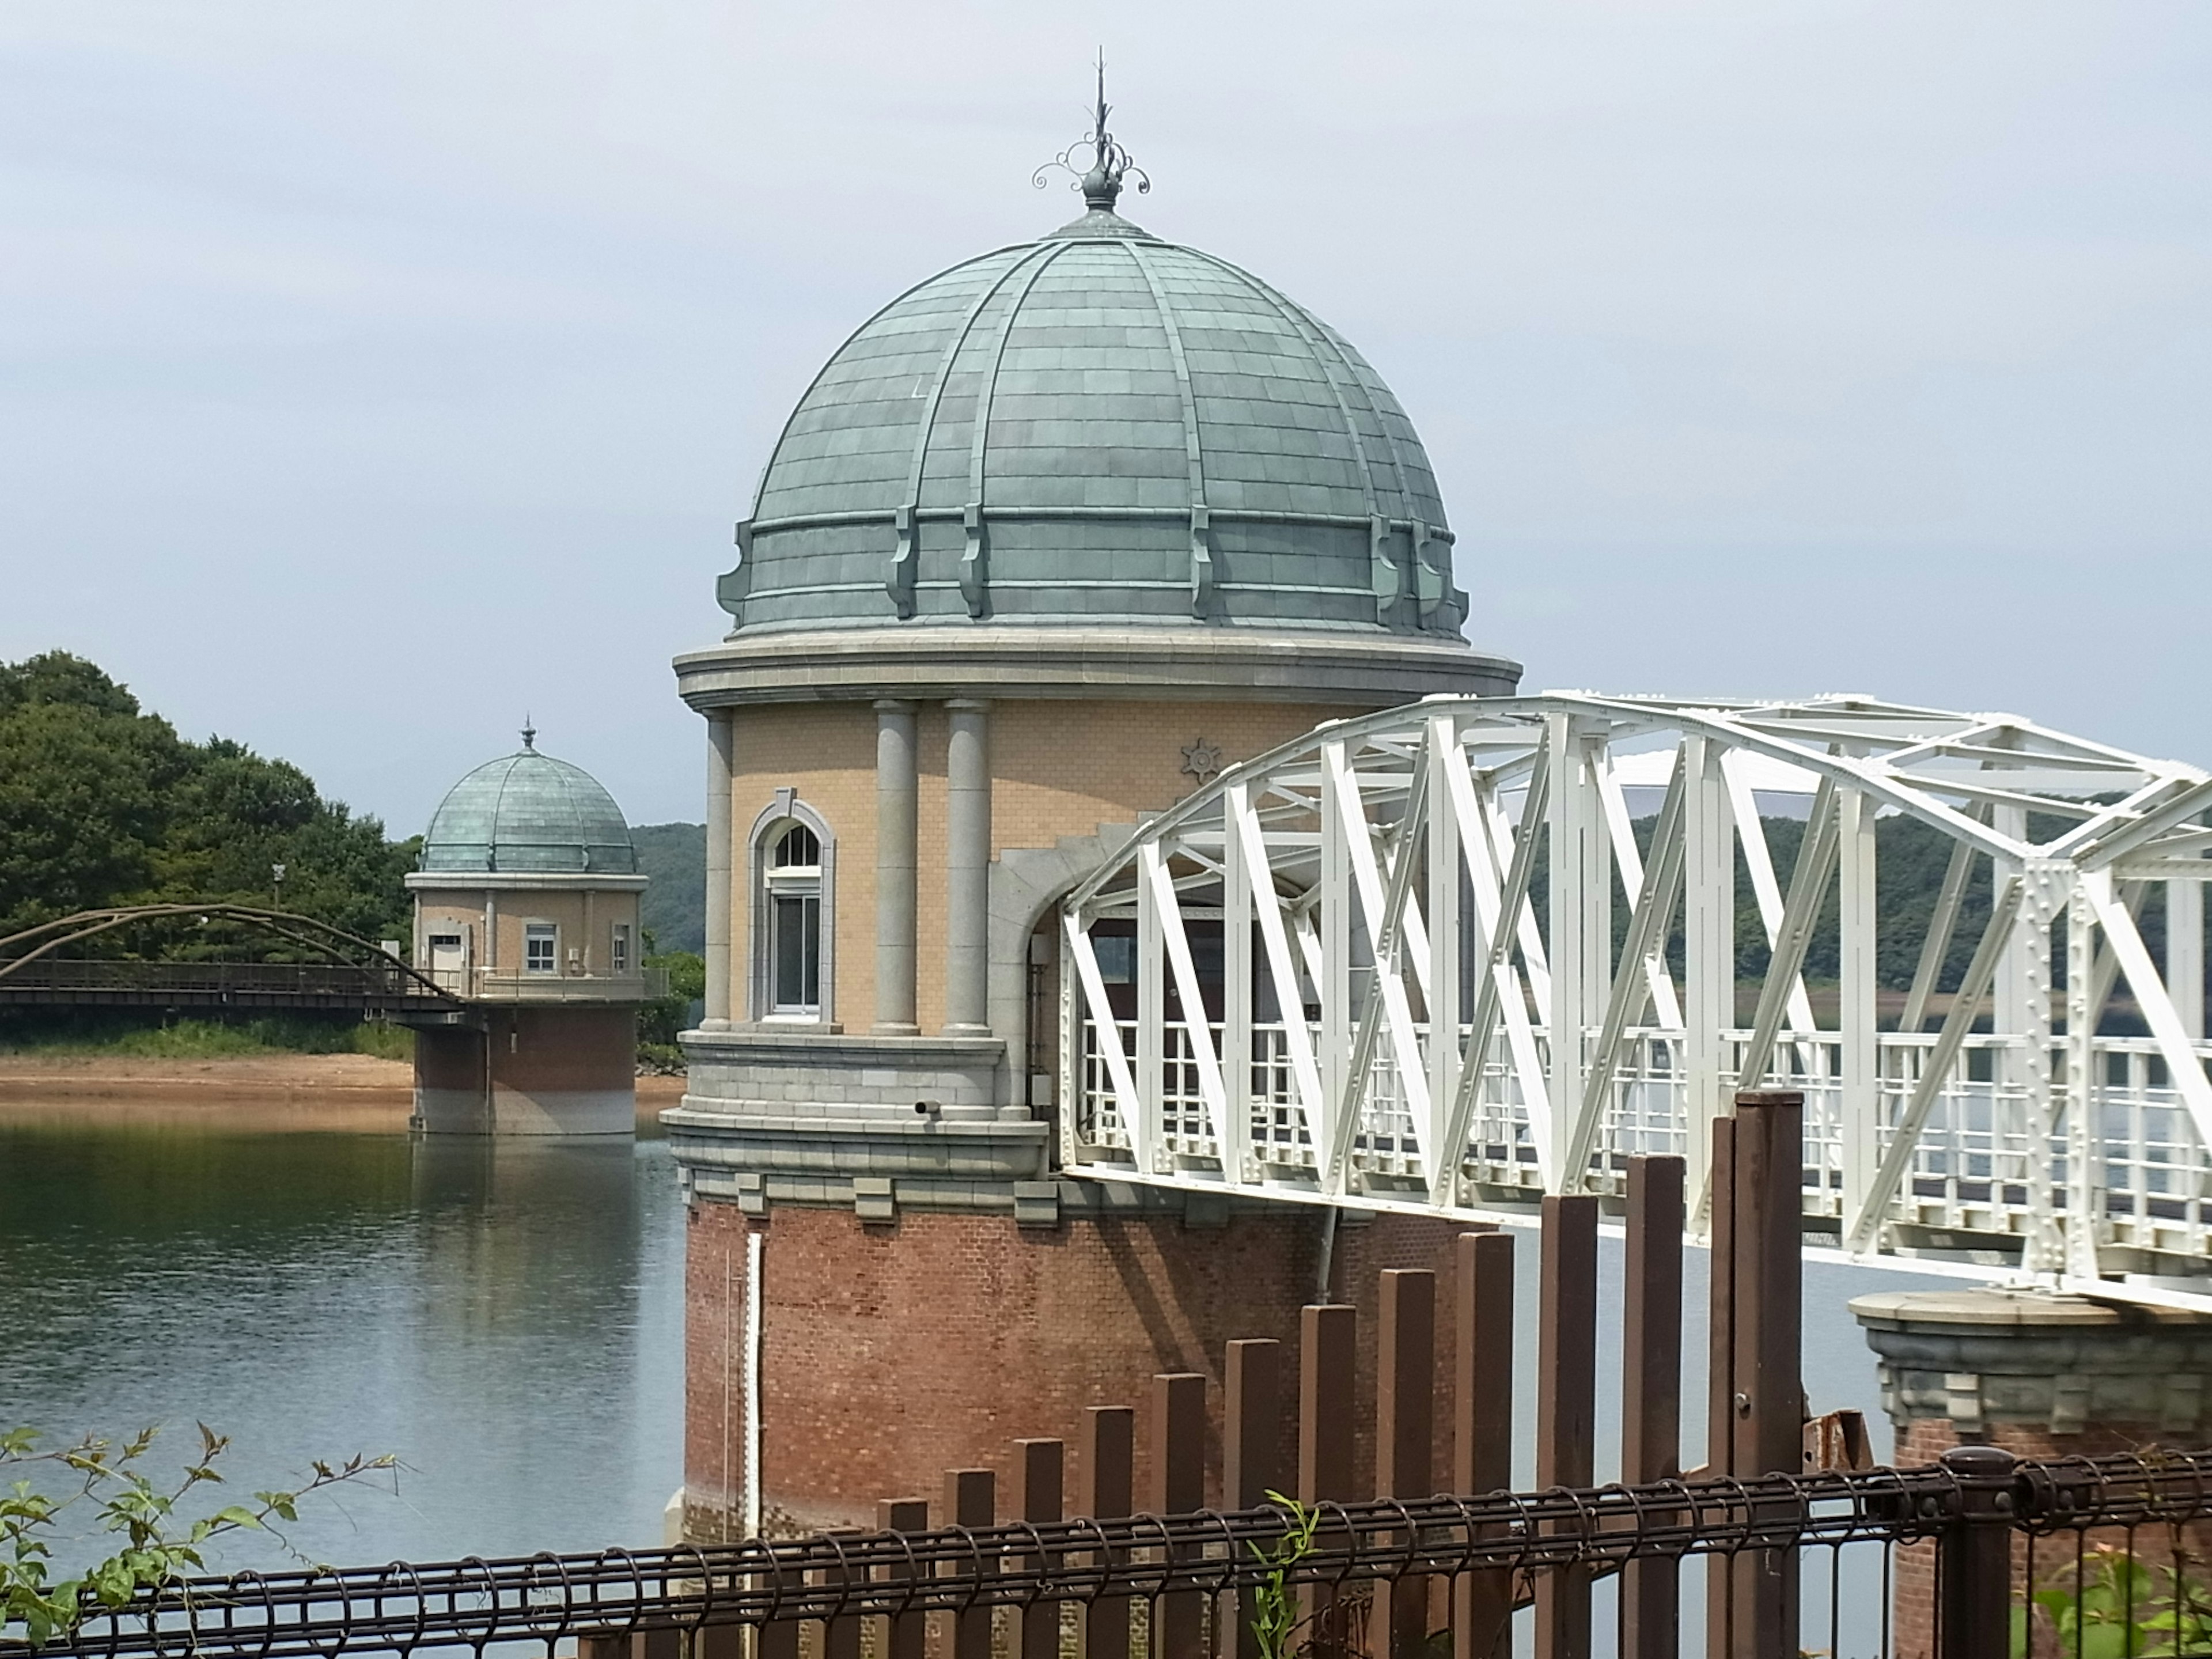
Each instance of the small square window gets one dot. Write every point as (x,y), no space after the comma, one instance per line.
(540,948)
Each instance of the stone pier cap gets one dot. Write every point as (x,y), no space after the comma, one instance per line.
(1997,1357)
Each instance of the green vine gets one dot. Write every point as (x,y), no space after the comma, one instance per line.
(105,1492)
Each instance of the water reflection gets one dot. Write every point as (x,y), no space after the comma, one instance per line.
(505,1317)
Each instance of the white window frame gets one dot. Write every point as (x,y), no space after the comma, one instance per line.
(785,813)
(549,932)
(618,950)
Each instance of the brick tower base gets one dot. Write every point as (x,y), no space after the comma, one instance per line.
(891,1351)
(2042,1376)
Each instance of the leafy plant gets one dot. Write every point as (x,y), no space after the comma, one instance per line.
(1275,1614)
(2115,1606)
(107,1494)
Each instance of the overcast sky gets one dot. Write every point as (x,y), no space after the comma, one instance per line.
(371,373)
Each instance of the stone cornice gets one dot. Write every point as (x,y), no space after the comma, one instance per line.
(1223,664)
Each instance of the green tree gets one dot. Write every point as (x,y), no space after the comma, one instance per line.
(102,803)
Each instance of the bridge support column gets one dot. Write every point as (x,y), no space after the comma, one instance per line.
(530,1071)
(2038,1375)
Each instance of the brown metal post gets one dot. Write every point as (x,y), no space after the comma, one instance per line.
(1110,1477)
(1770,1393)
(1328,1357)
(841,1638)
(1652,1391)
(1566,1404)
(1038,1469)
(1482,1422)
(971,1499)
(1719,1374)
(1179,1488)
(1328,1350)
(906,1635)
(1404,1436)
(1973,1558)
(1252,1448)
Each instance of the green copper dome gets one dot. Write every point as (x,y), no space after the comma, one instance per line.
(1097,427)
(529,813)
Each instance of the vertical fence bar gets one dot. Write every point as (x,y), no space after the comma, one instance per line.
(1973,1560)
(971,1499)
(1179,1488)
(904,1635)
(1770,1393)
(1404,1438)
(1039,1466)
(1252,1449)
(1109,1470)
(1720,1372)
(1482,1424)
(1652,1391)
(1566,1406)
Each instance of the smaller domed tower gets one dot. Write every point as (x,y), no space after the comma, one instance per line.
(526,909)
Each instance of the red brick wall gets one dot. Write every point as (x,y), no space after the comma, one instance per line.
(892,1353)
(1926,1439)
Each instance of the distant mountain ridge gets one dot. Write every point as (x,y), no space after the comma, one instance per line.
(674,910)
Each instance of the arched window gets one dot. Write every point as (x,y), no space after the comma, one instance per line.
(793,864)
(795,921)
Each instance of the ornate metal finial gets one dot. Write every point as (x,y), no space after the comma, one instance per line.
(529,734)
(1100,182)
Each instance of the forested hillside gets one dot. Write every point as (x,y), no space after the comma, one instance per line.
(674,908)
(102,803)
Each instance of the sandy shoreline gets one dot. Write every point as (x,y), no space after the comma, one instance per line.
(350,1092)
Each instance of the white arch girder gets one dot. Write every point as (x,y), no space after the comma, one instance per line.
(1378,873)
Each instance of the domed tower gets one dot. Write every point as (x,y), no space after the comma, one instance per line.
(1057,535)
(526,909)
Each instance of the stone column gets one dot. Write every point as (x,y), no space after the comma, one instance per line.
(967,869)
(2037,1375)
(897,785)
(720,750)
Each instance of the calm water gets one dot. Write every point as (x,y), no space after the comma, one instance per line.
(504,1318)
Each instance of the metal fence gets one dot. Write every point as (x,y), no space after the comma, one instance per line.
(1978,1558)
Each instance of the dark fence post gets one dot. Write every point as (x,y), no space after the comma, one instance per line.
(1179,1488)
(1566,1404)
(1720,1373)
(1329,1360)
(1110,1485)
(1973,1558)
(1252,1447)
(906,1635)
(1651,1392)
(971,1499)
(1038,1468)
(1769,1391)
(1482,1425)
(1404,1438)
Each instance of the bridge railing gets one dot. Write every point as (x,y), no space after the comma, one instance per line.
(1979,1170)
(63,973)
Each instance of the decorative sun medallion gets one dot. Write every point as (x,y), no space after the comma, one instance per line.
(1202,759)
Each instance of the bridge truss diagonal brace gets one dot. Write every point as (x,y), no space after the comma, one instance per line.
(1274,937)
(1393,931)
(1647,929)
(1158,895)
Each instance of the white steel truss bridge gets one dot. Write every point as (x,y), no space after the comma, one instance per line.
(1452,956)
